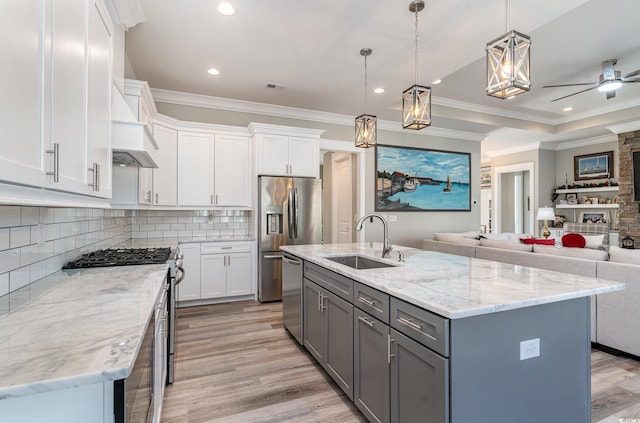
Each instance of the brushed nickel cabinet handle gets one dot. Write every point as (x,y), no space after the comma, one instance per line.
(367,301)
(366,322)
(56,162)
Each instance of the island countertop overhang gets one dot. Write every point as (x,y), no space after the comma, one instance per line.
(455,286)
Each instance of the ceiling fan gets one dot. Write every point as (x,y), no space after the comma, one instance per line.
(610,81)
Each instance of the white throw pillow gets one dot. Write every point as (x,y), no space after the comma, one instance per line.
(471,235)
(507,245)
(593,241)
(623,255)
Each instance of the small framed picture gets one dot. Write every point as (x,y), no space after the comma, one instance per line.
(593,166)
(485,177)
(571,198)
(594,217)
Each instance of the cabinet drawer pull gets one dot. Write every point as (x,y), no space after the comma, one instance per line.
(226,248)
(409,323)
(290,261)
(367,301)
(365,321)
(156,198)
(97,187)
(415,326)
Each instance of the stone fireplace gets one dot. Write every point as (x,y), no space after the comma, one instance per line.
(629,211)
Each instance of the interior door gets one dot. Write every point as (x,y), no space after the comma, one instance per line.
(344,197)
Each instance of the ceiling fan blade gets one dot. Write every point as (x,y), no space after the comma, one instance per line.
(611,94)
(570,95)
(631,74)
(570,85)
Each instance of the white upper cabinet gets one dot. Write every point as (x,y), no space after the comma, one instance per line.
(231,171)
(100,57)
(213,170)
(195,169)
(56,95)
(165,177)
(21,41)
(65,96)
(286,151)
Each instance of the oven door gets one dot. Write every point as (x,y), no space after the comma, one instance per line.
(133,396)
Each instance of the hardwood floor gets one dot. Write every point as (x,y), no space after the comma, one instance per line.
(236,363)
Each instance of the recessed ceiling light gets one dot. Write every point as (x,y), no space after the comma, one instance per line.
(567,109)
(379,90)
(437,81)
(226,9)
(213,71)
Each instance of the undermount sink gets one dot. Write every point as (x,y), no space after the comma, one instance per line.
(359,262)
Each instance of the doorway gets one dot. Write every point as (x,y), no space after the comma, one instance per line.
(514,198)
(343,190)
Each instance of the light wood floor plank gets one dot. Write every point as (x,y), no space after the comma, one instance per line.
(236,364)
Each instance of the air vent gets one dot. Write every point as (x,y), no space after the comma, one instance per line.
(276,86)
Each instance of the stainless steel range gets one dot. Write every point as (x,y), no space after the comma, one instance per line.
(141,388)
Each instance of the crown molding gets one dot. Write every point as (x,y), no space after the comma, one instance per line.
(625,127)
(242,106)
(472,107)
(127,13)
(182,125)
(512,150)
(566,145)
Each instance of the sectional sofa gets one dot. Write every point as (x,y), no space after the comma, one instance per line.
(615,317)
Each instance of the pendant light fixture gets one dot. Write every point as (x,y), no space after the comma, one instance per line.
(508,63)
(366,125)
(416,100)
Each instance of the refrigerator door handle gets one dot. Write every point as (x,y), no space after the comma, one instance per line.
(295,213)
(290,211)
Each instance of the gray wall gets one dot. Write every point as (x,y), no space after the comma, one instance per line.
(564,160)
(411,227)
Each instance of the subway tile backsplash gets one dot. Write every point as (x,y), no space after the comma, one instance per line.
(37,241)
(224,224)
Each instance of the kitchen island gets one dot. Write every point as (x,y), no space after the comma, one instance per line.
(443,338)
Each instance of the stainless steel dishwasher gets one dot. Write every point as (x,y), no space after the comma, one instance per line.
(292,295)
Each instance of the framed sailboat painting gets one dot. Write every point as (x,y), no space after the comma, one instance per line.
(593,166)
(417,179)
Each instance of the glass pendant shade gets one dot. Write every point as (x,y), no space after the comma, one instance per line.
(416,107)
(508,65)
(366,131)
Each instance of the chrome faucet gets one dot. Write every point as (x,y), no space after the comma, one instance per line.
(386,249)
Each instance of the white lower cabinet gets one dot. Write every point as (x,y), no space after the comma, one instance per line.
(225,270)
(216,270)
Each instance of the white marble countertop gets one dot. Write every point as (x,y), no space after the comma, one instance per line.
(456,286)
(85,327)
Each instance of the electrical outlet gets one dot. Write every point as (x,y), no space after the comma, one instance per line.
(393,218)
(530,349)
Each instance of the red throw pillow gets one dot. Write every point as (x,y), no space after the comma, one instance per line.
(527,240)
(574,240)
(544,241)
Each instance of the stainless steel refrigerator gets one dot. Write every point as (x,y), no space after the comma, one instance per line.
(290,214)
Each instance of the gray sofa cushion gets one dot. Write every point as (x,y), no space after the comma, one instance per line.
(623,255)
(507,245)
(618,314)
(582,253)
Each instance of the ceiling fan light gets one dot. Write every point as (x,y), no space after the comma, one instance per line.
(610,85)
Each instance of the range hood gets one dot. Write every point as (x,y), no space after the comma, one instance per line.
(132,141)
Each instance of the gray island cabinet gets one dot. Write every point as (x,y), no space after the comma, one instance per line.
(442,338)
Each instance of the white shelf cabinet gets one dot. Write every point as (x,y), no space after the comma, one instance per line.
(213,170)
(593,190)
